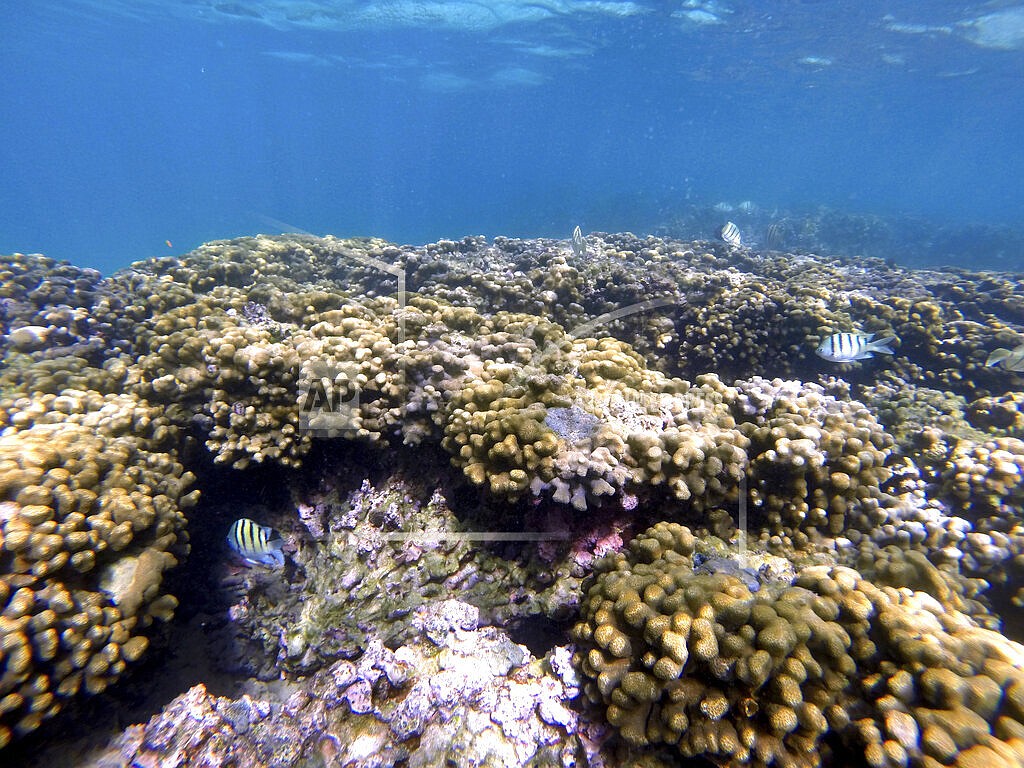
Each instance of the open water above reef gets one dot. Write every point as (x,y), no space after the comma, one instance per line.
(135,124)
(595,502)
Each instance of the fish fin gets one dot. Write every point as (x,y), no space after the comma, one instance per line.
(882,345)
(865,356)
(997,356)
(276,553)
(275,558)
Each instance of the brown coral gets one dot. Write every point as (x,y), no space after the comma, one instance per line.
(91,519)
(760,679)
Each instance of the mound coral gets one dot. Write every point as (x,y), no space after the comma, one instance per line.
(90,519)
(792,673)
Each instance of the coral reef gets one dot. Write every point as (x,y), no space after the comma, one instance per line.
(815,459)
(1003,415)
(60,327)
(460,693)
(388,549)
(792,674)
(472,388)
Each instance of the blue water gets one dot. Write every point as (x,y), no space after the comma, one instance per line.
(128,125)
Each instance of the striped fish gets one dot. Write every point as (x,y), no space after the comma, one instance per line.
(730,233)
(847,347)
(1008,359)
(257,544)
(579,243)
(775,235)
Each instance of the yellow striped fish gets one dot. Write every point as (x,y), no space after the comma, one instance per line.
(1008,359)
(847,347)
(257,544)
(730,233)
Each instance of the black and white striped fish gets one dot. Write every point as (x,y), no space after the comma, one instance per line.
(257,544)
(775,235)
(578,243)
(730,233)
(847,347)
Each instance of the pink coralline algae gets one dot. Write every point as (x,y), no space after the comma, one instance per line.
(199,729)
(603,540)
(587,542)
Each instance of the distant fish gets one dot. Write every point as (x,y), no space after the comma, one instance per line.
(775,235)
(747,206)
(723,207)
(730,233)
(257,544)
(847,347)
(1010,359)
(728,566)
(579,243)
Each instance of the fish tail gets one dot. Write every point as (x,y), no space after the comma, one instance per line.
(997,357)
(882,345)
(275,554)
(275,557)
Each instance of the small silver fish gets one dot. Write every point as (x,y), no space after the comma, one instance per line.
(257,544)
(1008,359)
(847,347)
(728,566)
(579,243)
(730,233)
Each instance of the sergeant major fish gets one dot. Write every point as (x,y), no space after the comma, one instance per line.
(1008,359)
(848,347)
(257,544)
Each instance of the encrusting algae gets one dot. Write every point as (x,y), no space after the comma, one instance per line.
(890,486)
